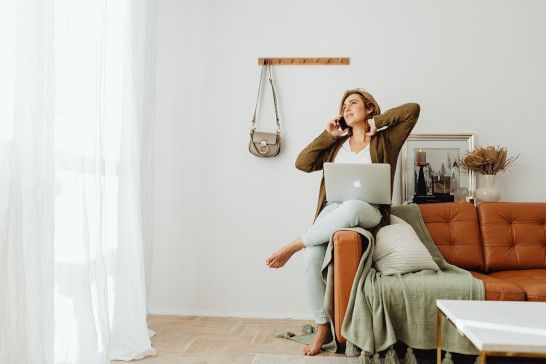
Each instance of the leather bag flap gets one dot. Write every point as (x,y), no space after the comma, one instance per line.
(270,138)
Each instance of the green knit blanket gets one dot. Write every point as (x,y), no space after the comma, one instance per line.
(402,307)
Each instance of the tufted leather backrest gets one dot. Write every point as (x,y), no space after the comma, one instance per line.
(514,235)
(455,231)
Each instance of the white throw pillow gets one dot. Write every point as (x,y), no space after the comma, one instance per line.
(399,250)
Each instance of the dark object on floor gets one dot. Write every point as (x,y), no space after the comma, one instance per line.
(433,198)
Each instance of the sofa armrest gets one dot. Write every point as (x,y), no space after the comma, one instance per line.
(347,254)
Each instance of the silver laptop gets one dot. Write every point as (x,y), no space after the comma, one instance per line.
(370,183)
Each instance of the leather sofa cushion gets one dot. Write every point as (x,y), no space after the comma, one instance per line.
(500,290)
(532,281)
(514,235)
(347,254)
(455,231)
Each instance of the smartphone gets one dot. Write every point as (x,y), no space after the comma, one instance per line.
(342,123)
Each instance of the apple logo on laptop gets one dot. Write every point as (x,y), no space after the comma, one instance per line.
(357,184)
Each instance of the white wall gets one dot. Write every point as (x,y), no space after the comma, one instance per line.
(474,67)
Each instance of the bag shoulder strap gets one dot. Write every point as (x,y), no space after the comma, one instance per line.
(253,125)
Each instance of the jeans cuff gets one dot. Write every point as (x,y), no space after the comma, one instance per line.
(305,241)
(321,320)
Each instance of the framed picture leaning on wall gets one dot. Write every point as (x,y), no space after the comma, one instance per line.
(431,171)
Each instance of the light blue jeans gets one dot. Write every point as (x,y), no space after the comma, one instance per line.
(334,216)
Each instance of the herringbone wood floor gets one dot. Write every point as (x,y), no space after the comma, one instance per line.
(195,339)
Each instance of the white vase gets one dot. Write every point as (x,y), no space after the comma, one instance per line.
(487,192)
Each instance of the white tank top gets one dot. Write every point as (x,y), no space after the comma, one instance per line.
(346,155)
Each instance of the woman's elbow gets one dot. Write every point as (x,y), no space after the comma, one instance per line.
(415,110)
(411,113)
(304,167)
(304,164)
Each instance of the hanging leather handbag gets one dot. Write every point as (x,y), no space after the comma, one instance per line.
(262,144)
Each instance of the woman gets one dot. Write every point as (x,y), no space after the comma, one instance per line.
(372,137)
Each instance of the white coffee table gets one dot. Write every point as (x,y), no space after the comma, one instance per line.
(496,328)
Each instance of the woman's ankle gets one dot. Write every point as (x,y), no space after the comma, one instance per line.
(324,328)
(297,245)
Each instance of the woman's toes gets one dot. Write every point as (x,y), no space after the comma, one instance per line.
(280,258)
(313,351)
(271,260)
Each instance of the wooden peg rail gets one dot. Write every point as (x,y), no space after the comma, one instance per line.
(304,61)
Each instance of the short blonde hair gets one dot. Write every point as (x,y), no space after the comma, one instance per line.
(367,98)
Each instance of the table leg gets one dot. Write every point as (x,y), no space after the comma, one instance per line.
(482,358)
(438,337)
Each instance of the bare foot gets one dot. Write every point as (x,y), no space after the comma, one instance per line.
(282,256)
(322,336)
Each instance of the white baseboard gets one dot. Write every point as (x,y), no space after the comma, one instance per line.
(239,314)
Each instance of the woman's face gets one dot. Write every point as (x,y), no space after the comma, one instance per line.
(354,111)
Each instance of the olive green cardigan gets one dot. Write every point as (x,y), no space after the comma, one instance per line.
(384,148)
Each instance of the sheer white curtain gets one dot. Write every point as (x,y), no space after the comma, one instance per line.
(27,177)
(72,116)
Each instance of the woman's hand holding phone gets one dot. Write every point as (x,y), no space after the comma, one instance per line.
(333,127)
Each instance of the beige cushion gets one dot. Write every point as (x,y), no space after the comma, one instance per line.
(399,250)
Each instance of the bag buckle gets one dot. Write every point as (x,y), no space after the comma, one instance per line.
(263,148)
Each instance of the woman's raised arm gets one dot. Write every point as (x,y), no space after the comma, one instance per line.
(399,122)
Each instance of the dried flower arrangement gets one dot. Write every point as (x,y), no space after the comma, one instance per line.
(488,160)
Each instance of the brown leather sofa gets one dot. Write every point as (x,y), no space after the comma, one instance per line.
(501,243)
